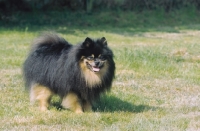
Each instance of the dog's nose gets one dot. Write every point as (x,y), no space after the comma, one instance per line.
(96,63)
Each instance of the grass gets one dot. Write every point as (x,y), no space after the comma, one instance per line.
(157,84)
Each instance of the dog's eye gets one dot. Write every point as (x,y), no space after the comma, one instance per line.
(90,58)
(102,58)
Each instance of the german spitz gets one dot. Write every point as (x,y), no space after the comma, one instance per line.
(79,74)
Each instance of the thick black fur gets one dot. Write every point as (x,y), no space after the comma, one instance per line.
(54,63)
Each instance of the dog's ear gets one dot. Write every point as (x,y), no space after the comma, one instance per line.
(88,43)
(104,41)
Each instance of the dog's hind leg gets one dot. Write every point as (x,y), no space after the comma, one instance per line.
(72,102)
(41,94)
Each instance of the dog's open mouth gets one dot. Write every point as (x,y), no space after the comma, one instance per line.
(93,68)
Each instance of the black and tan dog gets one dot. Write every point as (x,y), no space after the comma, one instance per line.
(78,74)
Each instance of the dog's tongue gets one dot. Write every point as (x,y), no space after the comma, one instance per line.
(96,69)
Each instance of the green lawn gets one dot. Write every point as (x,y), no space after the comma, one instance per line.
(157,83)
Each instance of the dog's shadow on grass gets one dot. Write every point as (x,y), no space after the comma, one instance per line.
(114,104)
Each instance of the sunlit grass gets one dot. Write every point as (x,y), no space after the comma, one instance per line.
(156,85)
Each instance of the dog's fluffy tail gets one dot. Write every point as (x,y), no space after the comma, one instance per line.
(49,41)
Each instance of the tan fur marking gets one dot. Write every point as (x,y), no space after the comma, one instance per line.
(92,78)
(71,101)
(41,94)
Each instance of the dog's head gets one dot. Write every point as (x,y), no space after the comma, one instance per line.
(96,60)
(95,55)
